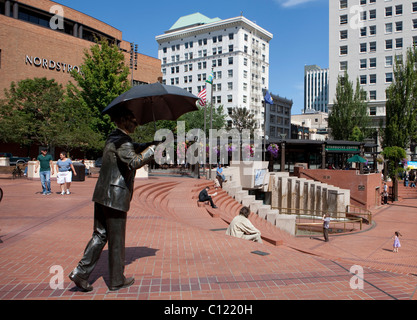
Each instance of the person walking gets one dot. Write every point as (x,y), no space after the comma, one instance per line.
(64,168)
(326,224)
(46,169)
(112,196)
(397,244)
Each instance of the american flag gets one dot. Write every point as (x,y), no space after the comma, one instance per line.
(202,97)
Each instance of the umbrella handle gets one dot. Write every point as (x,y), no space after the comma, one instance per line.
(154,121)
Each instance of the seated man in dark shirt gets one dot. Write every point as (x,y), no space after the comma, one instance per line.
(204,196)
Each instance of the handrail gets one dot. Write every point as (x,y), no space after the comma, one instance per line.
(362,212)
(339,217)
(297,225)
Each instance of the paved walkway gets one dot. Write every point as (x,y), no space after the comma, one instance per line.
(177,250)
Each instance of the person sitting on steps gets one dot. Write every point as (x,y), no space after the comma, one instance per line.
(205,196)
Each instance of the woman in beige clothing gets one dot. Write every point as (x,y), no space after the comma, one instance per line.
(241,227)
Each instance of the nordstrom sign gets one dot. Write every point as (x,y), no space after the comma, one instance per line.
(50,64)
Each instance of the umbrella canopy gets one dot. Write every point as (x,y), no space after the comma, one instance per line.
(356,158)
(156,101)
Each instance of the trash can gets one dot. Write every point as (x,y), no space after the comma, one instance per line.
(80,170)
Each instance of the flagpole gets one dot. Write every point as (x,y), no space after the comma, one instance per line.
(211,117)
(204,167)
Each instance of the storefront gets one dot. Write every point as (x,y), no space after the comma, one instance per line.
(40,38)
(316,154)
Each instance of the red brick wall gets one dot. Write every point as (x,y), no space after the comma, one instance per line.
(19,39)
(364,189)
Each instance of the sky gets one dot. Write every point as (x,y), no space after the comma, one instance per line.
(300,30)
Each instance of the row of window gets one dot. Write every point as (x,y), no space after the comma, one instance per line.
(371,30)
(215,39)
(42,18)
(389,11)
(343,4)
(390,44)
(203,53)
(363,63)
(343,19)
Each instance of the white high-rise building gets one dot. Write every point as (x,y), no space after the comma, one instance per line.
(316,89)
(236,50)
(365,37)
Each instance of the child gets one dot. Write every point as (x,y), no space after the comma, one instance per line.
(397,243)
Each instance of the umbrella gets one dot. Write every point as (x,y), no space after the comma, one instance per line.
(356,158)
(156,101)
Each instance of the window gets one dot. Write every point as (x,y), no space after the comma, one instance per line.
(414,43)
(363,32)
(388,61)
(363,16)
(372,95)
(363,79)
(372,46)
(363,2)
(414,6)
(343,35)
(372,30)
(398,43)
(388,77)
(372,14)
(229,98)
(343,65)
(230,60)
(388,11)
(372,111)
(414,23)
(388,27)
(372,78)
(399,26)
(363,63)
(343,4)
(399,9)
(363,47)
(343,50)
(388,44)
(231,35)
(231,48)
(343,19)
(372,63)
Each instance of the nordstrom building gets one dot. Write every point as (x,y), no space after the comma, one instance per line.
(42,38)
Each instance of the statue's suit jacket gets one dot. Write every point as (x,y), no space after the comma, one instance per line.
(121,158)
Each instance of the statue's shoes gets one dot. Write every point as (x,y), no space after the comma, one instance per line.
(80,283)
(128,282)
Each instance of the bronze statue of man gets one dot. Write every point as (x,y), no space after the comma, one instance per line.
(112,196)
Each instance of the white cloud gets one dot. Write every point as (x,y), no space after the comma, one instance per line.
(292,3)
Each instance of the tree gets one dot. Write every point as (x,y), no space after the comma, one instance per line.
(103,77)
(32,112)
(38,111)
(401,106)
(394,155)
(195,119)
(349,110)
(78,121)
(243,119)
